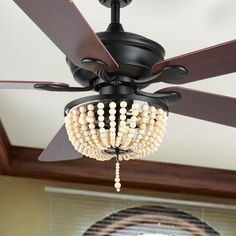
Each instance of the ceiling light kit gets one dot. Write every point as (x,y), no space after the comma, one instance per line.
(122,121)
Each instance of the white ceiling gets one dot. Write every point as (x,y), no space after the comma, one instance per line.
(33,117)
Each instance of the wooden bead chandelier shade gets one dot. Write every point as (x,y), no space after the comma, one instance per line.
(125,130)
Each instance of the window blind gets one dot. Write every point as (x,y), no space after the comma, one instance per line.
(72,215)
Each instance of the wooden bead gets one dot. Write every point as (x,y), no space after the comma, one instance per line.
(141,131)
(151,122)
(84,127)
(123,111)
(123,104)
(112,123)
(144,114)
(132,124)
(144,120)
(122,117)
(145,107)
(117,179)
(90,113)
(102,130)
(93,131)
(90,119)
(122,123)
(90,107)
(152,109)
(92,126)
(135,106)
(130,136)
(82,109)
(139,136)
(117,185)
(74,112)
(153,115)
(160,111)
(135,112)
(100,112)
(133,119)
(112,105)
(112,111)
(101,124)
(143,126)
(101,118)
(151,139)
(112,117)
(83,115)
(112,129)
(100,105)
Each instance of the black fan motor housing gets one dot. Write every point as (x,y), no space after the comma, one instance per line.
(134,53)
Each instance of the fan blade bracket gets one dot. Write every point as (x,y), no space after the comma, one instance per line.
(99,68)
(62,88)
(168,98)
(173,73)
(168,74)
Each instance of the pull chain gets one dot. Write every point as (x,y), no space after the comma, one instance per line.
(117,175)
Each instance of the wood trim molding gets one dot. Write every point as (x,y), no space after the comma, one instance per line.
(146,175)
(5,147)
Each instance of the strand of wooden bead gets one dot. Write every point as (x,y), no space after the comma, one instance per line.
(84,143)
(93,151)
(138,137)
(122,125)
(74,131)
(117,184)
(79,144)
(120,133)
(84,140)
(103,132)
(150,148)
(101,124)
(132,130)
(69,123)
(144,114)
(112,112)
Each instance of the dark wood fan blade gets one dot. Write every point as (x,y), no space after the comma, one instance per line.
(15,84)
(60,149)
(206,106)
(63,23)
(210,62)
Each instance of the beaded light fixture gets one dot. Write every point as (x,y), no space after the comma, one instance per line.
(124,130)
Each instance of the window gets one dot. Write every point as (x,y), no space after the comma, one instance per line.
(75,214)
(150,221)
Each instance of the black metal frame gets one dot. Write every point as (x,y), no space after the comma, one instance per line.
(115,97)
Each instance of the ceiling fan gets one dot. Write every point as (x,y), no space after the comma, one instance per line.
(122,121)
